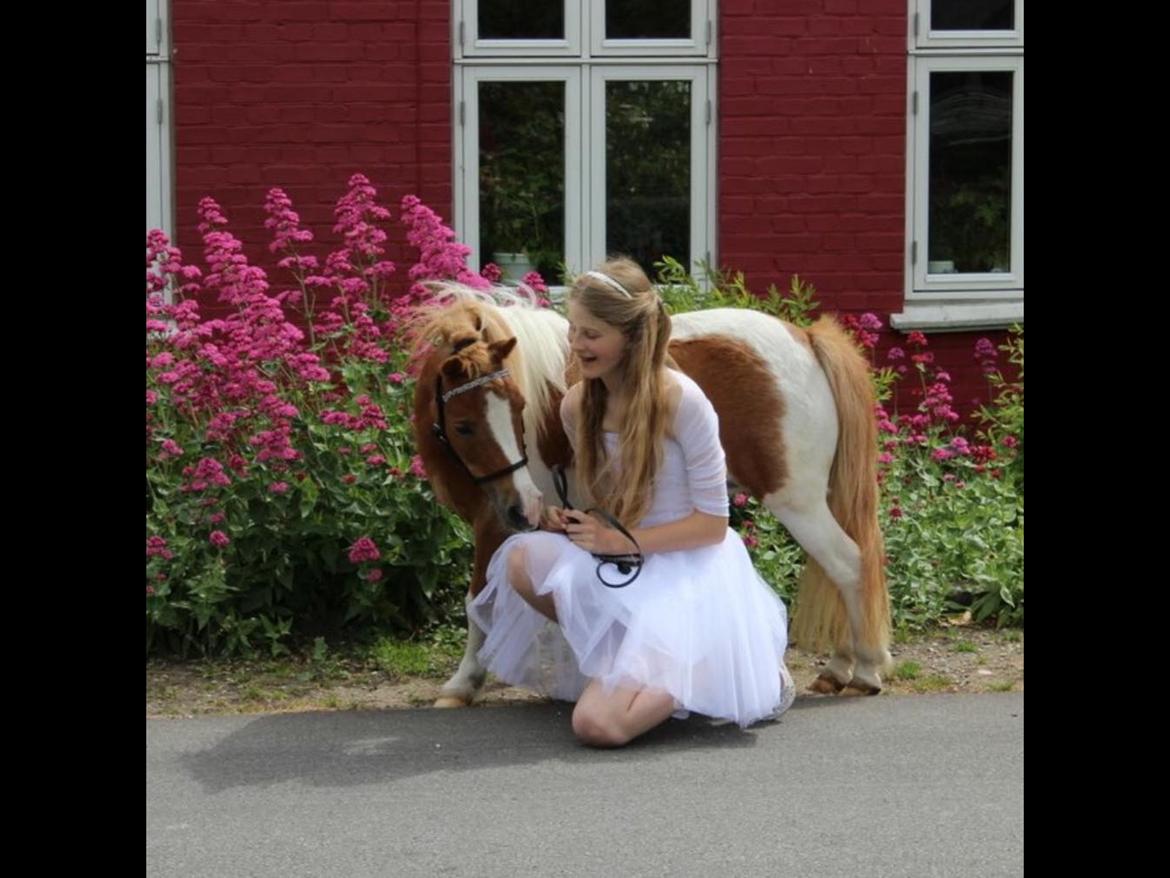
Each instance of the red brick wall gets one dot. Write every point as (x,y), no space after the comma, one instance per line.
(812,173)
(811,152)
(302,95)
(812,146)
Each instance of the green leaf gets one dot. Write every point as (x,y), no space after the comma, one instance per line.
(309,494)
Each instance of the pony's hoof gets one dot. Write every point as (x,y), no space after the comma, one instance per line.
(451,701)
(858,688)
(826,684)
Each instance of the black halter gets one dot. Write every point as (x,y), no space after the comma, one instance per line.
(440,427)
(624,563)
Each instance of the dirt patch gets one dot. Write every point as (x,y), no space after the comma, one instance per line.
(956,659)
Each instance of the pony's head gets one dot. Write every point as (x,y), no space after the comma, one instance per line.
(479,420)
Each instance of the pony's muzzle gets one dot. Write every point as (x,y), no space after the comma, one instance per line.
(517,519)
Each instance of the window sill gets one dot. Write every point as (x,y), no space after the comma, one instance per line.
(959,317)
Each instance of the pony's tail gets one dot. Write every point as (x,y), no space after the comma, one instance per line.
(820,620)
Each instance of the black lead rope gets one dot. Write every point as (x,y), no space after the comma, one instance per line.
(625,562)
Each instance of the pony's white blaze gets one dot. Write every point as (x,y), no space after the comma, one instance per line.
(499,419)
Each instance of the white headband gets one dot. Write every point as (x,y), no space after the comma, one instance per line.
(606,279)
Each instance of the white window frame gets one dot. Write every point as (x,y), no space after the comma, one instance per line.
(154,34)
(700,42)
(585,72)
(159,137)
(469,45)
(702,165)
(467,150)
(927,38)
(582,17)
(942,302)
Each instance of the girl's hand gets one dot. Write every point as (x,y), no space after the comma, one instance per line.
(593,536)
(553,518)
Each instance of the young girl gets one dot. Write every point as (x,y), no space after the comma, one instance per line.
(698,630)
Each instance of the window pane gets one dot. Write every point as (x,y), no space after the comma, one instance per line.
(521,19)
(522,174)
(970,172)
(648,170)
(647,19)
(972,15)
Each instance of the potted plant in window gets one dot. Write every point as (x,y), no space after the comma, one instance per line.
(510,224)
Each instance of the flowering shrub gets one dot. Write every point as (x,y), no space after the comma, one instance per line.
(954,505)
(283,492)
(282,485)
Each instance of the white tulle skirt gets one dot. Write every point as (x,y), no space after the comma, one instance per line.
(698,623)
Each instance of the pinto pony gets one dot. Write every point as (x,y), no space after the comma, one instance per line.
(796,419)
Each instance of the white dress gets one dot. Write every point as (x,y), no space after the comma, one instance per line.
(698,623)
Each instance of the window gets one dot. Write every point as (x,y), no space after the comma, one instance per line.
(159,208)
(965,170)
(584,128)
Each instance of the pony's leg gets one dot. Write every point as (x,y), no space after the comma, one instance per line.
(820,535)
(460,690)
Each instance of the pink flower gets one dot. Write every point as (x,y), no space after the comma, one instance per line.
(535,281)
(751,541)
(157,546)
(151,397)
(278,487)
(364,549)
(396,377)
(349,478)
(149,590)
(942,454)
(885,457)
(416,467)
(375,460)
(895,354)
(741,500)
(492,272)
(916,340)
(374,575)
(219,538)
(895,512)
(216,517)
(171,447)
(1010,441)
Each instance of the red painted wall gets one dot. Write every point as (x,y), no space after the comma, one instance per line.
(811,149)
(302,95)
(812,173)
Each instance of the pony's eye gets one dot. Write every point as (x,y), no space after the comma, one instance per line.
(464,429)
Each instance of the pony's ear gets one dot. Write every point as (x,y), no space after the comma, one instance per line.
(453,368)
(501,349)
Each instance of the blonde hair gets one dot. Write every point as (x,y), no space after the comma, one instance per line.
(642,319)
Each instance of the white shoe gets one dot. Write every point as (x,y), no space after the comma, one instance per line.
(787,692)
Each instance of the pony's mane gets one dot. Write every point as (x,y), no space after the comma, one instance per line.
(538,359)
